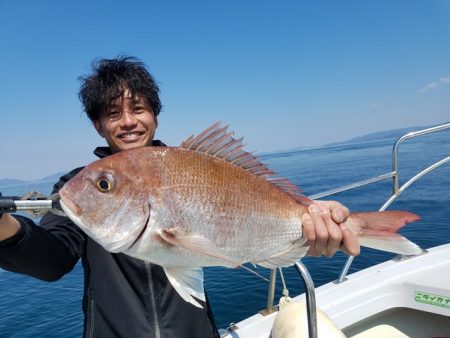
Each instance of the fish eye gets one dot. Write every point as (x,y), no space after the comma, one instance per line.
(104,185)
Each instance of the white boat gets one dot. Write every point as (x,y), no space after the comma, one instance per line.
(403,297)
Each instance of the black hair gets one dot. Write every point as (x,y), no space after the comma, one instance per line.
(110,78)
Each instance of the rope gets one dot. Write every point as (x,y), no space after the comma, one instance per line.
(285,298)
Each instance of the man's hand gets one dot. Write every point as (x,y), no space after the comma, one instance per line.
(9,226)
(325,230)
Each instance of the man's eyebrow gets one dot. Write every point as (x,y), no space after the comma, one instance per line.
(113,106)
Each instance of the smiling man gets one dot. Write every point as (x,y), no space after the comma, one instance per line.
(124,296)
(128,122)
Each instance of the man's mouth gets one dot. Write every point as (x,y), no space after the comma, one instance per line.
(131,136)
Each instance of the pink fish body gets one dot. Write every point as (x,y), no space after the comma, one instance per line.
(206,203)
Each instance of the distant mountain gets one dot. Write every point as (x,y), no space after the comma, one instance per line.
(8,181)
(53,177)
(377,136)
(11,182)
(381,135)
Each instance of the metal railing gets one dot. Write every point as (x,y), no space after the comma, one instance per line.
(397,191)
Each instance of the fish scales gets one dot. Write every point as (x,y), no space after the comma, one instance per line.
(242,213)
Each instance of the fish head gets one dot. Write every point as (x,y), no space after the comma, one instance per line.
(108,200)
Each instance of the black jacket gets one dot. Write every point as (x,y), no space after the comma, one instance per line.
(123,296)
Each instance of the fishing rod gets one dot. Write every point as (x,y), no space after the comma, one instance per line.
(33,202)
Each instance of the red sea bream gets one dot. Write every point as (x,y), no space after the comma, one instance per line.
(205,203)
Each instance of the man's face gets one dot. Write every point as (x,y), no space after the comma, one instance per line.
(127,123)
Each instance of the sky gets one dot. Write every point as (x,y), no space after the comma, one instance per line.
(283,74)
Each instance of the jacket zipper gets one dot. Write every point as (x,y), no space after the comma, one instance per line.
(90,315)
(153,300)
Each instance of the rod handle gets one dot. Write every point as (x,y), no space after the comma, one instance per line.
(7,204)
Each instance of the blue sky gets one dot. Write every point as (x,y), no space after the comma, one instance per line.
(283,74)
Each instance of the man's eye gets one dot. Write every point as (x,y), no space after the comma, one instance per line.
(139,109)
(112,114)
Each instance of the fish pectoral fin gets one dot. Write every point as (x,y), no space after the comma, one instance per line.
(188,283)
(196,243)
(286,258)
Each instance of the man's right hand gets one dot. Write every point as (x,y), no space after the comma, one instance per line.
(9,226)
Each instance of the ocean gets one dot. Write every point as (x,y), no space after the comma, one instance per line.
(32,308)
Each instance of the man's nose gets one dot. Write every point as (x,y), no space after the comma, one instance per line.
(128,118)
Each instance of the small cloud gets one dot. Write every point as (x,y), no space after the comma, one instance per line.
(435,85)
(430,86)
(374,105)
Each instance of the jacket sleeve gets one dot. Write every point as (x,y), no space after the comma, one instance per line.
(46,251)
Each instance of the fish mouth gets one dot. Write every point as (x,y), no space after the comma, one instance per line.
(72,210)
(69,206)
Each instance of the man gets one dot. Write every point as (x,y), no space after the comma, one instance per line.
(123,296)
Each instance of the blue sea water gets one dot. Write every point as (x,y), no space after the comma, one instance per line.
(32,308)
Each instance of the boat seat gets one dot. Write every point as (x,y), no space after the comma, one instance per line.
(384,330)
(292,322)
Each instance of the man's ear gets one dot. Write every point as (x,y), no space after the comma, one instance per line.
(99,128)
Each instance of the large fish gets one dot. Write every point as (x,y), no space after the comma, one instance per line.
(205,203)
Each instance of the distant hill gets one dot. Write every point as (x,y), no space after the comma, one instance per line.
(381,135)
(12,182)
(53,177)
(8,181)
(392,134)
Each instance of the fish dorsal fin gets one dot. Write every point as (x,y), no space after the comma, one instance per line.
(217,142)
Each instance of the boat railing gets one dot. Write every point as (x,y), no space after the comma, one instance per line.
(396,192)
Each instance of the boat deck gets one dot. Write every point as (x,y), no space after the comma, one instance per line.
(397,293)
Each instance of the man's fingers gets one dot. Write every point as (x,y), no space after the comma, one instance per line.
(308,230)
(339,213)
(350,243)
(323,234)
(334,234)
(319,240)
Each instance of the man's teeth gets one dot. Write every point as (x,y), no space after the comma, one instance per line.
(129,135)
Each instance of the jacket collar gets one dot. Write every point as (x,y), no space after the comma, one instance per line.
(106,151)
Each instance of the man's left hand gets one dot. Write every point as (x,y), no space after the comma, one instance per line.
(325,230)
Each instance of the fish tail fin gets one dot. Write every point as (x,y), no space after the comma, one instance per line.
(378,230)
